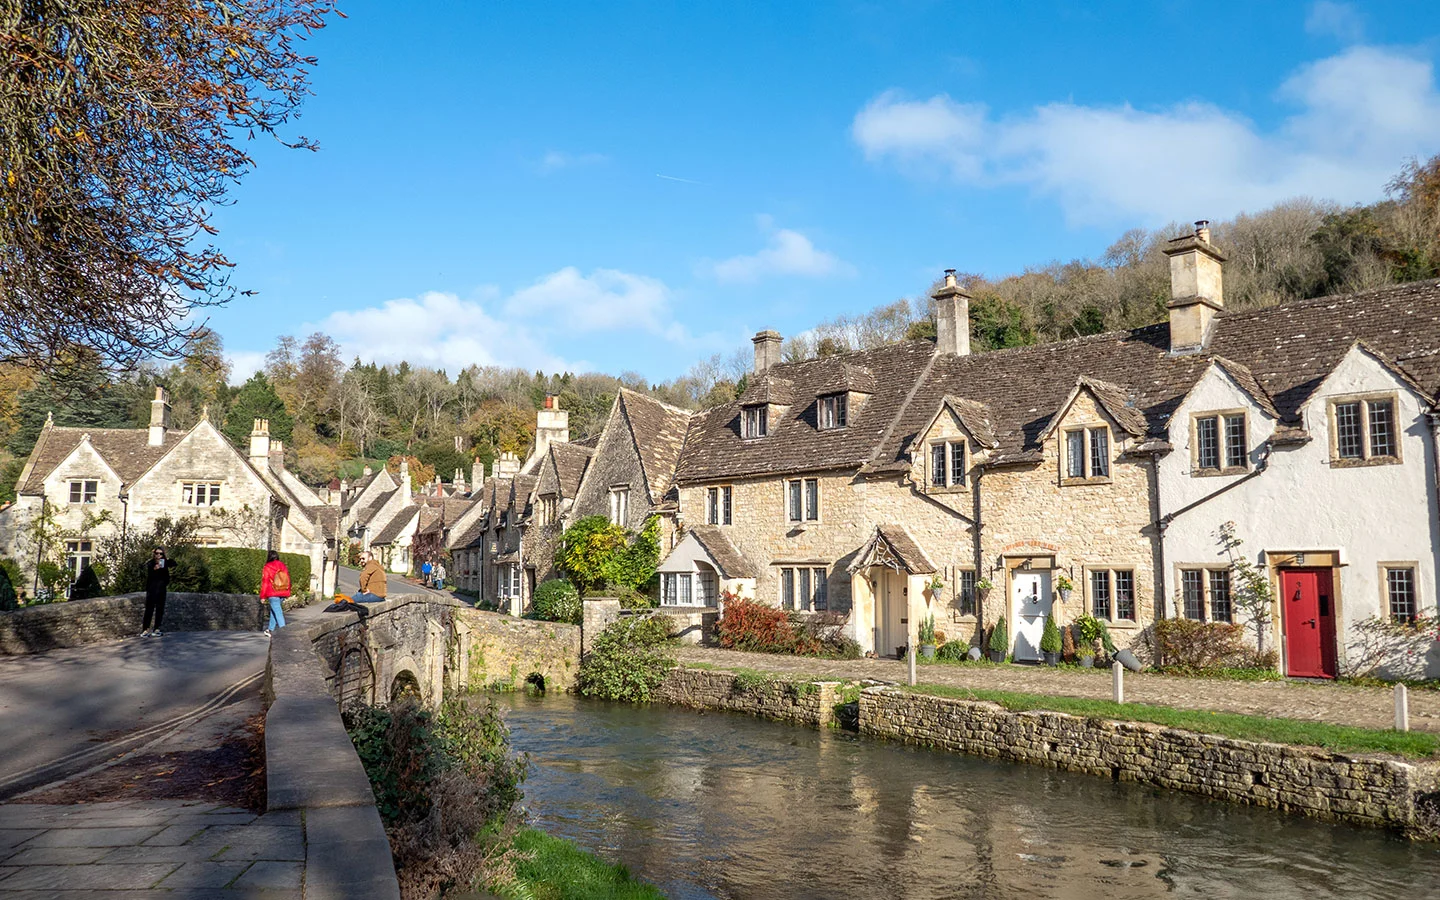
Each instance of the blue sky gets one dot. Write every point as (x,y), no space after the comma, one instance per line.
(634,186)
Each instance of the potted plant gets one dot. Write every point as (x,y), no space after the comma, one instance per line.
(1050,642)
(983,587)
(1087,632)
(999,642)
(927,638)
(935,585)
(1086,654)
(1067,644)
(1064,586)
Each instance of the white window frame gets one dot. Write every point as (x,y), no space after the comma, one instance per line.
(87,489)
(78,553)
(1387,589)
(1088,434)
(620,505)
(200,493)
(677,589)
(754,422)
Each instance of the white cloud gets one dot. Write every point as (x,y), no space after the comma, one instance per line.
(1360,115)
(789,253)
(243,364)
(554,160)
(605,299)
(1339,20)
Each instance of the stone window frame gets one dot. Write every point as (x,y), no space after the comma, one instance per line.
(1417,601)
(1222,419)
(1113,603)
(1206,571)
(795,576)
(1336,461)
(212,492)
(840,410)
(547,511)
(754,422)
(620,504)
(950,444)
(1087,429)
(720,504)
(805,510)
(961,615)
(87,488)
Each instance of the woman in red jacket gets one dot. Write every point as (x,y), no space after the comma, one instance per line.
(275,587)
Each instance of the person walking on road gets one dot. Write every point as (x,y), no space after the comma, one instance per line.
(440,575)
(372,580)
(275,587)
(425,570)
(157,580)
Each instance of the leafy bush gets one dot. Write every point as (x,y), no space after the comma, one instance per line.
(1000,638)
(126,561)
(624,662)
(557,600)
(1050,639)
(1188,645)
(1087,630)
(953,651)
(236,570)
(595,552)
(754,626)
(8,599)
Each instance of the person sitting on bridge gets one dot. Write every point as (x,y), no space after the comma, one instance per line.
(372,580)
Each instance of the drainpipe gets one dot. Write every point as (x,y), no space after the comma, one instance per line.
(975,528)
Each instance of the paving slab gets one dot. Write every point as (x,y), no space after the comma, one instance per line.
(174,835)
(94,837)
(74,878)
(179,854)
(271,875)
(56,856)
(211,875)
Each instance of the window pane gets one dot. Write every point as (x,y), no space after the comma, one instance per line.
(795,511)
(957,462)
(1347,430)
(1099,453)
(682,593)
(1220,609)
(1192,590)
(812,499)
(1400,583)
(787,588)
(1382,427)
(1125,594)
(1207,443)
(667,589)
(75,491)
(937,465)
(840,410)
(966,590)
(1100,595)
(1075,454)
(804,595)
(712,506)
(726,497)
(1235,449)
(821,601)
(763,414)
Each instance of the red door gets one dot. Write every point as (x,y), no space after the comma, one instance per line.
(1309,622)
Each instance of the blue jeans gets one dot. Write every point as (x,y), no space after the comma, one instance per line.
(277,614)
(362,597)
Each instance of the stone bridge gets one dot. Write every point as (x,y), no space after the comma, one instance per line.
(428,645)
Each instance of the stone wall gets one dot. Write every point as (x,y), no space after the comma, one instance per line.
(1363,790)
(502,651)
(52,626)
(804,703)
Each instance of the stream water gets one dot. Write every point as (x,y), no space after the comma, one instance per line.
(720,805)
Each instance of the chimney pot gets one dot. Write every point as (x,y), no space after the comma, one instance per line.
(952,317)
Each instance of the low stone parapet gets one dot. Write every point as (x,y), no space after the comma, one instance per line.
(801,702)
(75,623)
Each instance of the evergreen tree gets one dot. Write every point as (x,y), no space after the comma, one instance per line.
(256,400)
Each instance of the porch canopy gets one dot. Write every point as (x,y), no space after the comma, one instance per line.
(711,543)
(892,547)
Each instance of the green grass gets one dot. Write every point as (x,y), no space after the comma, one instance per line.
(1337,738)
(559,870)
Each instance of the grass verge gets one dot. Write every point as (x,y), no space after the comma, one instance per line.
(559,870)
(1337,738)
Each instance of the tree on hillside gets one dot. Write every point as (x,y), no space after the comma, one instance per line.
(78,393)
(256,399)
(120,127)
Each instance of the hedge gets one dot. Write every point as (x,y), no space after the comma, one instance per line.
(236,570)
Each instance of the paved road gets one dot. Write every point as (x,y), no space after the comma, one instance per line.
(348,582)
(66,710)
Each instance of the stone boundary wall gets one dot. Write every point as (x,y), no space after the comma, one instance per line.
(1363,790)
(311,766)
(803,703)
(504,651)
(74,623)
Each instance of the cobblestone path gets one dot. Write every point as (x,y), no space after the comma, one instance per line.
(1339,704)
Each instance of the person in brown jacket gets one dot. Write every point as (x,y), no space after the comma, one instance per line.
(372,580)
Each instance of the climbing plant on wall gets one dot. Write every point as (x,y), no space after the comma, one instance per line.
(595,553)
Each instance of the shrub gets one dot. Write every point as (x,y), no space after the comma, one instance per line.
(126,561)
(1193,646)
(926,631)
(1050,639)
(953,651)
(1067,642)
(557,601)
(236,570)
(1087,630)
(754,626)
(594,552)
(8,600)
(1000,638)
(624,662)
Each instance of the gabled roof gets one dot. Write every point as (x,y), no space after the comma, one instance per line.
(396,525)
(768,388)
(722,551)
(570,462)
(1113,399)
(659,433)
(892,546)
(1245,379)
(974,416)
(126,450)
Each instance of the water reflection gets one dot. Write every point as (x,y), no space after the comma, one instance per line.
(719,805)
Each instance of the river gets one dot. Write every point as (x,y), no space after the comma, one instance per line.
(720,805)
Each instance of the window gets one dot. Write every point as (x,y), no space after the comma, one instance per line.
(77,556)
(1365,430)
(1192,588)
(1207,443)
(620,505)
(707,589)
(957,462)
(1220,443)
(802,500)
(755,421)
(547,511)
(1400,588)
(965,592)
(1220,606)
(1236,449)
(509,576)
(804,588)
(832,411)
(200,493)
(718,505)
(1112,594)
(83,491)
(675,589)
(1087,453)
(1205,595)
(937,465)
(947,464)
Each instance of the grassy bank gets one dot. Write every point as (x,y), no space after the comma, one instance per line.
(556,869)
(1337,738)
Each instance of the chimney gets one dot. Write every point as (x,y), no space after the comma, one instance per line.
(458,482)
(507,466)
(767,350)
(477,475)
(404,479)
(1195,289)
(260,442)
(277,456)
(159,417)
(552,425)
(952,317)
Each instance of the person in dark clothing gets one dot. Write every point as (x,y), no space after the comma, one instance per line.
(157,579)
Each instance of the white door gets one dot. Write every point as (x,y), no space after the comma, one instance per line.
(1031,604)
(890,623)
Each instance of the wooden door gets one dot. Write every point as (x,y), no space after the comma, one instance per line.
(1031,606)
(1308,620)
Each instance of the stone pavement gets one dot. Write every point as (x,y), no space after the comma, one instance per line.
(137,850)
(1338,704)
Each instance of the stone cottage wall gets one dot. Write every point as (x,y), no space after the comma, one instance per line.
(500,650)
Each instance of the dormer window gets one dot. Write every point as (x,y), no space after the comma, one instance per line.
(1220,444)
(1087,455)
(947,464)
(832,411)
(755,421)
